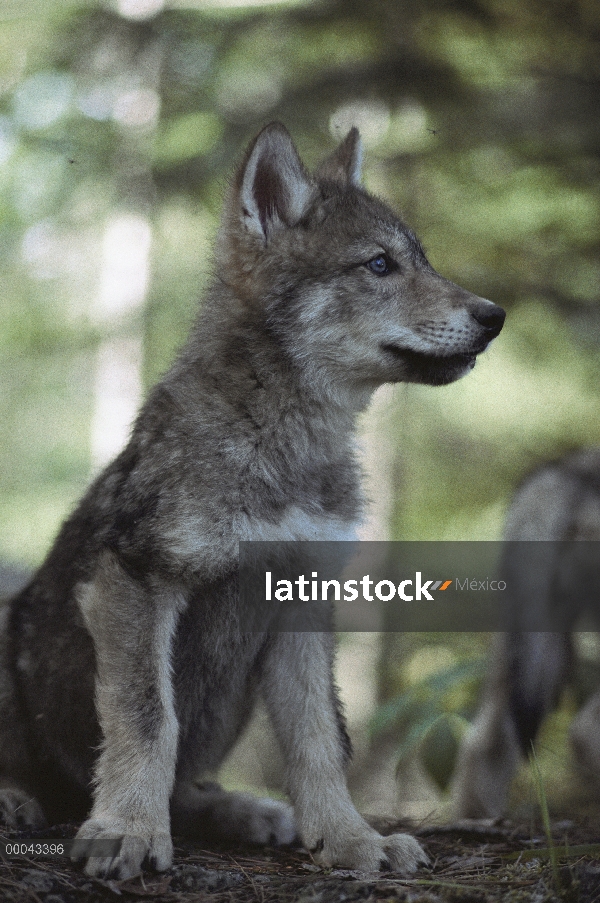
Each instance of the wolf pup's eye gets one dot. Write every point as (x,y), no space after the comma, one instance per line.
(380,265)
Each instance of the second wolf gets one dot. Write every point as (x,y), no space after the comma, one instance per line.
(557,504)
(125,671)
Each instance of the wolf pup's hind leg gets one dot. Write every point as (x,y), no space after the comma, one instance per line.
(18,807)
(208,812)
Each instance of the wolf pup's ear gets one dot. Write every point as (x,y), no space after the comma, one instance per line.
(345,163)
(275,189)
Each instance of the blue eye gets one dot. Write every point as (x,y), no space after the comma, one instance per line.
(380,265)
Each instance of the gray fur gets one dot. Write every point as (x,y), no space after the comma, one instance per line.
(126,675)
(559,501)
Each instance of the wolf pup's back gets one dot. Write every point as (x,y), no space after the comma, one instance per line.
(125,671)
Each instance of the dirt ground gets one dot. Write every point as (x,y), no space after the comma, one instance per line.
(470,862)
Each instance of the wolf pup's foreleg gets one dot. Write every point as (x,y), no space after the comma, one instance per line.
(297,683)
(132,627)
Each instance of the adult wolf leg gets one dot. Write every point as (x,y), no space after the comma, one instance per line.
(527,671)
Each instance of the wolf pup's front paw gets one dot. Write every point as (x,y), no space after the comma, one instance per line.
(371,852)
(138,846)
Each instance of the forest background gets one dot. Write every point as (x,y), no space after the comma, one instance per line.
(119,124)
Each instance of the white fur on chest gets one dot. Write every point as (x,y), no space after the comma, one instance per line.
(296,525)
(201,546)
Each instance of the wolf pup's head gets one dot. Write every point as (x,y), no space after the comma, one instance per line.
(338,280)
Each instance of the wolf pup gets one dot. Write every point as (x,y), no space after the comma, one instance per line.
(125,672)
(558,502)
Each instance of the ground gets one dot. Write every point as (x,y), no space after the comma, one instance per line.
(470,862)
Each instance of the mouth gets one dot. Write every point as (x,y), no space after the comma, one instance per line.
(432,369)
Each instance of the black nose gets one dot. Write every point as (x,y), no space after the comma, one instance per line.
(491,317)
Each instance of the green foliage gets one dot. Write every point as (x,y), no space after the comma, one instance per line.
(188,136)
(430,714)
(543,802)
